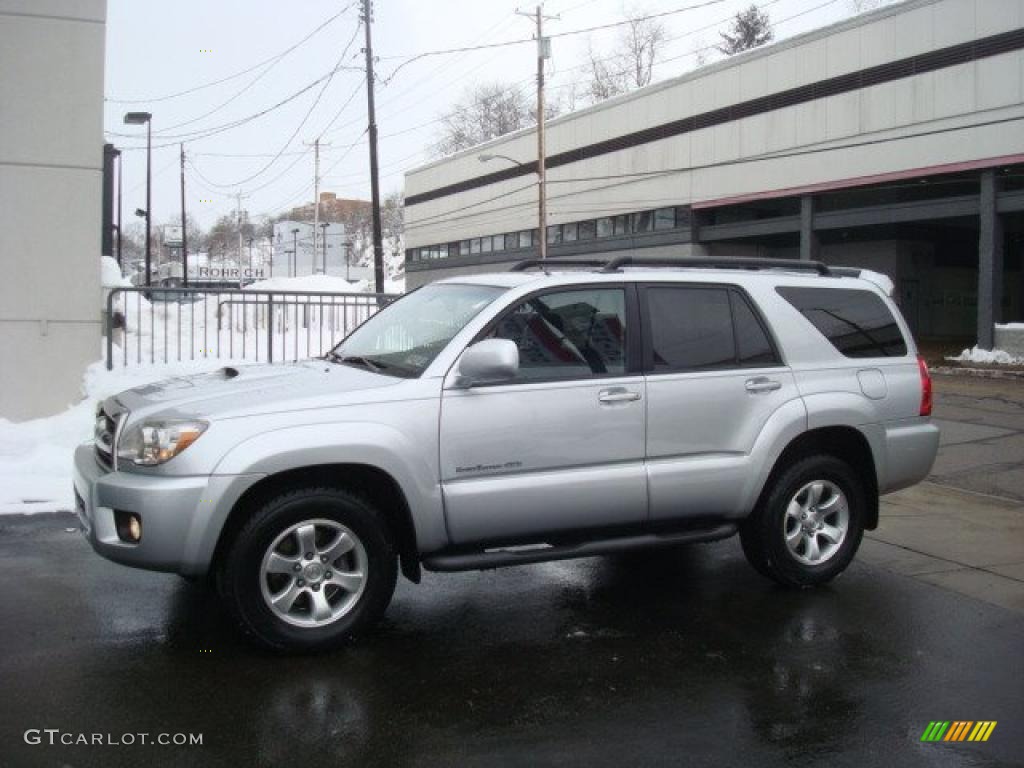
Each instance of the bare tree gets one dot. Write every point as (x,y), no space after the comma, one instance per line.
(631,63)
(484,113)
(749,29)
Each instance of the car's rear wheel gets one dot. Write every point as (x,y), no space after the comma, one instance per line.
(808,527)
(310,569)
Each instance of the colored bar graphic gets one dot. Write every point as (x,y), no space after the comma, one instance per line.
(958,730)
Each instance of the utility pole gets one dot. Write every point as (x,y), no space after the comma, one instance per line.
(184,229)
(378,245)
(238,214)
(543,52)
(316,195)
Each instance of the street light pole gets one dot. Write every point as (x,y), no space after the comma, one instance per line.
(323,238)
(295,251)
(138,118)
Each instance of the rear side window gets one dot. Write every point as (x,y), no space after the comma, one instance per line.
(856,322)
(698,327)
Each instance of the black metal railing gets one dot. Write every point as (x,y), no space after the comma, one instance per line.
(144,326)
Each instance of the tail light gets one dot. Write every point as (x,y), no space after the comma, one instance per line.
(926,387)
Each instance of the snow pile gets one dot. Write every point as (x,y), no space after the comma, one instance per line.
(110,274)
(314,283)
(986,356)
(324,284)
(35,456)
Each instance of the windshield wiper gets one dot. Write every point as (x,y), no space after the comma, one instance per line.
(371,365)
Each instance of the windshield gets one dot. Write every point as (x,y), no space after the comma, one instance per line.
(405,337)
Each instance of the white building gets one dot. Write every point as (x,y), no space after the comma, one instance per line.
(893,140)
(51,160)
(293,249)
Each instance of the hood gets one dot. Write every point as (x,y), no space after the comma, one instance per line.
(246,389)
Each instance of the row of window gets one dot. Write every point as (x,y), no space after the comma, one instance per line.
(640,222)
(580,333)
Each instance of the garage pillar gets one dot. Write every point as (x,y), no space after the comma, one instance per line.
(990,262)
(808,238)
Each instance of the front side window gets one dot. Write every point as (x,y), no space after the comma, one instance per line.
(856,322)
(568,335)
(404,338)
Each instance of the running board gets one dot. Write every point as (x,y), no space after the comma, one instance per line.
(499,557)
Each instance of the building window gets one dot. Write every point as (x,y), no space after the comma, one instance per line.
(554,234)
(485,244)
(605,228)
(665,218)
(511,241)
(588,230)
(621,225)
(683,216)
(642,221)
(474,245)
(526,238)
(569,232)
(464,248)
(443,251)
(499,242)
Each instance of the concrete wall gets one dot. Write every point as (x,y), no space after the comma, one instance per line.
(51,152)
(978,91)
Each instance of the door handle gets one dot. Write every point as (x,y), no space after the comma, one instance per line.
(617,395)
(762,384)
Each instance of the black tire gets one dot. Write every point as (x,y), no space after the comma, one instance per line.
(762,535)
(240,576)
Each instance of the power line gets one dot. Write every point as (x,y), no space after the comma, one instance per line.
(305,118)
(236,75)
(206,133)
(486,46)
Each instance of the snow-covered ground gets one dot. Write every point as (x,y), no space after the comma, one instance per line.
(987,357)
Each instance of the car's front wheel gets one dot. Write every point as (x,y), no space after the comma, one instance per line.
(809,525)
(309,569)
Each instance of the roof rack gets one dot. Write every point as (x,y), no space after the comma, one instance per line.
(522,266)
(724,262)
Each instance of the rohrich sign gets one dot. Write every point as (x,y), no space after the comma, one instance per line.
(227,273)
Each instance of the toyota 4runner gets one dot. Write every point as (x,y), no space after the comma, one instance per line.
(520,417)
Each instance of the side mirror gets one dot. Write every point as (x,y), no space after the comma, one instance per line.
(488,362)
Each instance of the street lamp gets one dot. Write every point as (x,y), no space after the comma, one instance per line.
(542,214)
(323,239)
(138,118)
(487,157)
(295,250)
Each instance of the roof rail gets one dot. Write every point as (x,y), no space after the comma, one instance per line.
(724,262)
(522,266)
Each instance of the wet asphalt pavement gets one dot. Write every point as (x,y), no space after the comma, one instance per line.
(684,657)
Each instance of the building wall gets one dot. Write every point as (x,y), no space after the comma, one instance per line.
(728,160)
(51,154)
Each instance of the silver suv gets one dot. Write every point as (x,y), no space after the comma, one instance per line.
(520,417)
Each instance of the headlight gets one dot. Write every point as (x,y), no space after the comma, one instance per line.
(154,442)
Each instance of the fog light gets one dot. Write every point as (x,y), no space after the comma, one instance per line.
(129,526)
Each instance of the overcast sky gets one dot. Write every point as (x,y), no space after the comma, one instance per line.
(158,49)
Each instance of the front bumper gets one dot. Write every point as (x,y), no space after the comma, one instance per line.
(181,516)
